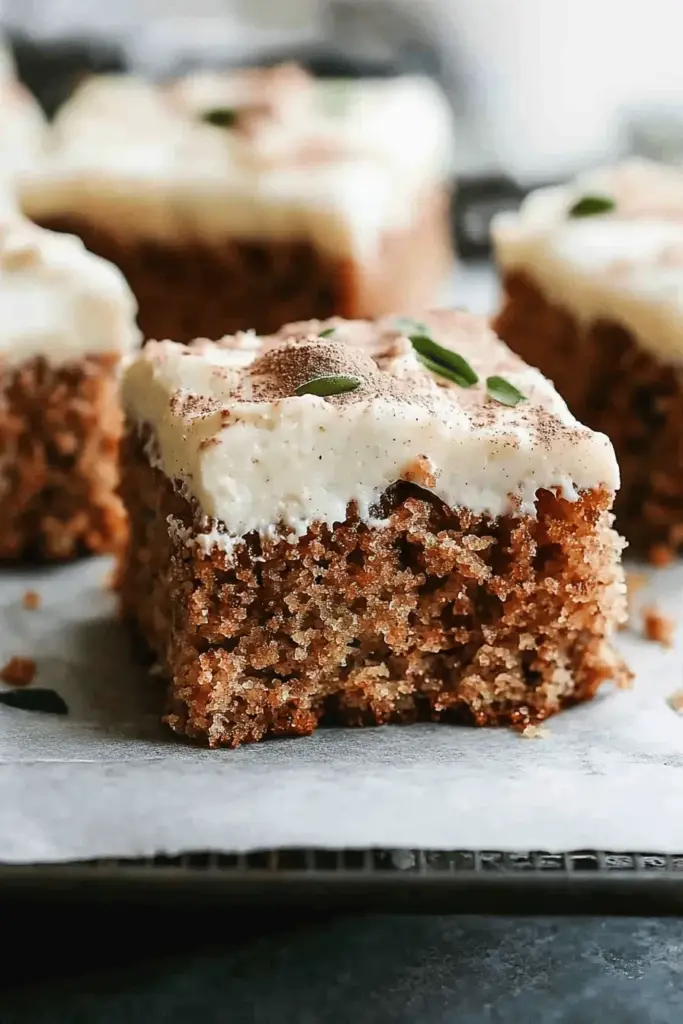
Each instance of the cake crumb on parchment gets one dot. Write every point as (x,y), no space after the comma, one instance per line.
(675,701)
(18,671)
(535,732)
(31,600)
(657,627)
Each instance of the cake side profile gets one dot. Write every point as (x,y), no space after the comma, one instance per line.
(66,319)
(256,196)
(364,522)
(593,278)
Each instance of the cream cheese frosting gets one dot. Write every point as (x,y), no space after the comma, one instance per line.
(23,128)
(624,266)
(228,429)
(59,301)
(339,160)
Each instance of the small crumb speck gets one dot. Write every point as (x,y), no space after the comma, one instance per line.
(675,701)
(18,671)
(535,732)
(31,600)
(657,627)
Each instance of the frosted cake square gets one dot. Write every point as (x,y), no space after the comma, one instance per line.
(593,276)
(66,319)
(250,198)
(365,522)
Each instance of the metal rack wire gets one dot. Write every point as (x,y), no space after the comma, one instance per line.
(485,881)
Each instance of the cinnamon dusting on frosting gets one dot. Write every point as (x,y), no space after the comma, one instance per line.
(279,458)
(283,368)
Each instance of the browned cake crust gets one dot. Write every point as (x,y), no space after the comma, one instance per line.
(613,385)
(196,290)
(59,435)
(440,614)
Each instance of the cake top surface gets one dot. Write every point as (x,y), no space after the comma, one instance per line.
(230,427)
(618,255)
(59,301)
(263,138)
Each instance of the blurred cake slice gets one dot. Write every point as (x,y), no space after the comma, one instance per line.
(255,197)
(593,277)
(23,131)
(365,522)
(66,319)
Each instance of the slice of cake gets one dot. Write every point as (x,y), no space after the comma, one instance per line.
(255,197)
(593,275)
(66,319)
(365,522)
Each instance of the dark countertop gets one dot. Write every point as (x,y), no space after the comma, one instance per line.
(143,966)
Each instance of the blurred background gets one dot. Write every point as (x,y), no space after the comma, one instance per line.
(540,88)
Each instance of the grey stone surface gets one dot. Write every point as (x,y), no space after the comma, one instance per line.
(374,970)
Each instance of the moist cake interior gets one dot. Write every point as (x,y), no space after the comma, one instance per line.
(437,614)
(60,428)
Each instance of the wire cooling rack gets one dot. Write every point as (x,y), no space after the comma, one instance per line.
(467,881)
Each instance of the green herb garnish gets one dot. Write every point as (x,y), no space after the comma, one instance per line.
(591,206)
(220,117)
(335,384)
(443,361)
(444,371)
(501,390)
(327,333)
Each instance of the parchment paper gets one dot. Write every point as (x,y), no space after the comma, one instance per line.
(108,780)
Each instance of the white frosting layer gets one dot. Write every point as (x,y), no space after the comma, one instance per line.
(227,427)
(625,266)
(23,128)
(340,161)
(59,301)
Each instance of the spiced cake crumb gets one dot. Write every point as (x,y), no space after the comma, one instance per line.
(31,600)
(18,671)
(657,627)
